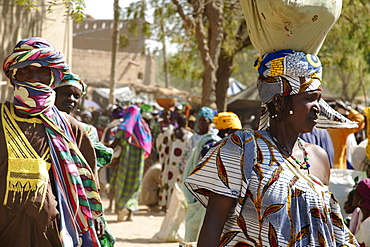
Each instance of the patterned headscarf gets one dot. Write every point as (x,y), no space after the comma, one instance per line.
(73,177)
(73,80)
(227,120)
(206,112)
(288,72)
(39,52)
(34,98)
(363,188)
(136,129)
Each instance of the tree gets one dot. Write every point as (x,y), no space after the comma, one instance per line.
(209,36)
(346,52)
(74,8)
(218,31)
(236,38)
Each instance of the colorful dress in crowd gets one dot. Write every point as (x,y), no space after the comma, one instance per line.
(136,143)
(171,151)
(195,211)
(290,208)
(103,153)
(104,156)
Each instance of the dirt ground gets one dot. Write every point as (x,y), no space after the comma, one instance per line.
(138,232)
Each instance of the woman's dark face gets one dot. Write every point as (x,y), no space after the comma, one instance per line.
(349,206)
(203,124)
(166,115)
(32,73)
(357,198)
(306,109)
(67,98)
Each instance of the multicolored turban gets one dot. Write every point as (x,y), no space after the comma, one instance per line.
(73,80)
(288,72)
(39,52)
(206,112)
(36,97)
(227,120)
(363,187)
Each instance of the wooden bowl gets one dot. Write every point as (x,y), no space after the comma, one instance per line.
(166,102)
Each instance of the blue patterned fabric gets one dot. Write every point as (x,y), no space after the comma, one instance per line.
(277,203)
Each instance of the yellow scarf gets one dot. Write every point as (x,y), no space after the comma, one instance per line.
(366,112)
(27,171)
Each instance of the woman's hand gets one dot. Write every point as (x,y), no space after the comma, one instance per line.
(99,227)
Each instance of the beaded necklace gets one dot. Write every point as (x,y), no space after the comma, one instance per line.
(303,165)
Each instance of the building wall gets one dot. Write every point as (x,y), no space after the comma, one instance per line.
(92,45)
(94,66)
(17,22)
(91,59)
(97,34)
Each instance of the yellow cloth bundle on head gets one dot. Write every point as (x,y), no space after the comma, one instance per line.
(284,24)
(227,120)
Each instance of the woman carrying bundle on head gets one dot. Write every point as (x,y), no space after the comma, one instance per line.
(269,187)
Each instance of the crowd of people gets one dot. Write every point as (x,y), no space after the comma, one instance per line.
(156,150)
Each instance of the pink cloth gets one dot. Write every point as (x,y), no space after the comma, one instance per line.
(137,130)
(354,220)
(364,188)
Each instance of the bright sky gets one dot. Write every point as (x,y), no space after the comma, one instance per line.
(99,10)
(104,9)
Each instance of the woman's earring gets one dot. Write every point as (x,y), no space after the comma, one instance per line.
(291,112)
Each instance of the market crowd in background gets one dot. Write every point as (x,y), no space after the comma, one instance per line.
(143,153)
(176,130)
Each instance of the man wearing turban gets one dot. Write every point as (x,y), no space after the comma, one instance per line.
(49,195)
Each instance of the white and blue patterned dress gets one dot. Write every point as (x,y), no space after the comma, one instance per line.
(277,203)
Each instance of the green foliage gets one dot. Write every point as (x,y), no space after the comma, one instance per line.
(244,71)
(233,19)
(345,53)
(123,41)
(30,4)
(74,8)
(164,26)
